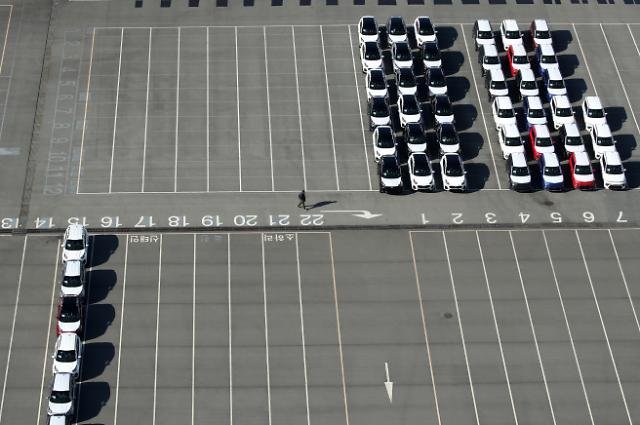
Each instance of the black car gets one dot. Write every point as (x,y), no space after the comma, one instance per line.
(436,80)
(441,109)
(447,137)
(378,111)
(389,174)
(414,137)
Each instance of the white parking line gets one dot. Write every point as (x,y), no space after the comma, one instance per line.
(229,321)
(604,329)
(624,280)
(304,343)
(124,289)
(484,121)
(193,336)
(497,329)
(238,112)
(175,167)
(355,78)
(266,327)
(424,328)
(208,118)
(634,39)
(13,326)
(326,80)
(566,322)
(46,341)
(624,89)
(464,344)
(146,113)
(6,36)
(86,104)
(266,75)
(115,113)
(155,359)
(295,62)
(533,330)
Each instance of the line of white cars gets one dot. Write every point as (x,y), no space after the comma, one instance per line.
(68,350)
(542,143)
(410,110)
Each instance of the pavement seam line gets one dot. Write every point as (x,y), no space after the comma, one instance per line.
(295,61)
(302,332)
(146,113)
(124,288)
(155,361)
(86,107)
(266,327)
(266,76)
(326,80)
(115,112)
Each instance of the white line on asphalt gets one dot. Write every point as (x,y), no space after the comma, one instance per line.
(304,344)
(86,104)
(266,327)
(187,192)
(193,336)
(484,121)
(6,36)
(584,58)
(624,280)
(533,330)
(295,62)
(266,75)
(155,358)
(624,89)
(115,112)
(124,289)
(207,111)
(424,328)
(175,166)
(495,325)
(229,321)
(326,80)
(238,113)
(464,344)
(146,113)
(13,326)
(634,39)
(364,139)
(604,329)
(46,341)
(338,330)
(566,322)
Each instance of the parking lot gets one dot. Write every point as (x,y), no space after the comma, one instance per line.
(284,106)
(490,326)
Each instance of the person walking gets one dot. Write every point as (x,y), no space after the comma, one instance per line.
(302,199)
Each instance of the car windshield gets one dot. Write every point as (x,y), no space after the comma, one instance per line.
(66,356)
(371,53)
(505,113)
(528,85)
(60,397)
(396,27)
(556,84)
(369,27)
(421,166)
(512,35)
(391,172)
(485,35)
(563,112)
(512,141)
(379,109)
(385,140)
(498,85)
(573,141)
(437,80)
(542,34)
(604,141)
(583,169)
(491,60)
(71,281)
(520,171)
(543,141)
(453,169)
(520,60)
(614,169)
(431,52)
(448,138)
(376,83)
(407,79)
(425,27)
(402,53)
(595,113)
(443,109)
(74,245)
(536,113)
(69,313)
(410,107)
(549,59)
(552,171)
(415,136)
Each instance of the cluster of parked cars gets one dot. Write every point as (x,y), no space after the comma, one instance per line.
(68,349)
(546,146)
(415,57)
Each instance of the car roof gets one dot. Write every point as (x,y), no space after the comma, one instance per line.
(518,49)
(378,101)
(571,129)
(413,127)
(401,45)
(541,130)
(534,102)
(75,231)
(504,102)
(546,49)
(510,130)
(550,159)
(375,72)
(561,101)
(510,24)
(452,158)
(442,99)
(408,98)
(368,18)
(603,130)
(490,50)
(370,45)
(526,74)
(423,19)
(67,341)
(61,382)
(554,74)
(593,102)
(497,74)
(72,268)
(69,301)
(518,159)
(484,25)
(540,24)
(57,420)
(581,158)
(384,129)
(612,158)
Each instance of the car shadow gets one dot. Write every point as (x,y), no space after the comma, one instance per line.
(95,396)
(97,356)
(464,115)
(447,36)
(625,144)
(451,62)
(633,173)
(99,318)
(568,64)
(616,116)
(101,249)
(477,176)
(457,88)
(576,88)
(561,40)
(100,283)
(470,145)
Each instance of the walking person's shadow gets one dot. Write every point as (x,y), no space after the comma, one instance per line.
(320,204)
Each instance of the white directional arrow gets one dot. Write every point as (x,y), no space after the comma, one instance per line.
(366,214)
(388,385)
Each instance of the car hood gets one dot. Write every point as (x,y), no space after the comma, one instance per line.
(512,149)
(545,149)
(373,63)
(71,291)
(454,181)
(432,63)
(505,121)
(69,326)
(485,41)
(553,180)
(391,182)
(492,66)
(423,38)
(521,179)
(380,120)
(65,367)
(532,92)
(574,148)
(397,38)
(615,178)
(377,93)
(423,180)
(386,151)
(604,148)
(59,408)
(444,119)
(408,90)
(499,92)
(595,121)
(450,148)
(68,255)
(438,90)
(543,40)
(583,178)
(541,121)
(557,92)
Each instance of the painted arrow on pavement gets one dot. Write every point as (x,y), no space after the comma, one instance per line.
(366,214)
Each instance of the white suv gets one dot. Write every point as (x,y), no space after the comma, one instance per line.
(613,171)
(75,243)
(602,140)
(502,110)
(510,140)
(67,354)
(593,112)
(384,142)
(72,284)
(561,111)
(510,33)
(61,398)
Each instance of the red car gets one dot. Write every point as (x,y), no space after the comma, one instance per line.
(581,171)
(69,317)
(540,140)
(518,59)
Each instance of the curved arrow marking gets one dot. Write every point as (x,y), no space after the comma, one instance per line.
(366,214)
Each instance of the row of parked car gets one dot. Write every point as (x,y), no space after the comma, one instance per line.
(68,349)
(545,149)
(410,64)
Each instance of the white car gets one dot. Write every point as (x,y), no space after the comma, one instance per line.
(431,56)
(370,56)
(602,140)
(540,33)
(415,138)
(61,398)
(554,83)
(408,109)
(571,138)
(561,111)
(510,33)
(436,81)
(448,139)
(526,83)
(502,111)
(547,57)
(384,142)
(510,140)
(519,173)
(58,420)
(401,55)
(396,30)
(441,109)
(497,84)
(390,174)
(406,81)
(533,110)
(73,278)
(454,176)
(420,171)
(424,30)
(482,33)
(367,29)
(76,243)
(376,83)
(613,171)
(593,112)
(67,354)
(490,59)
